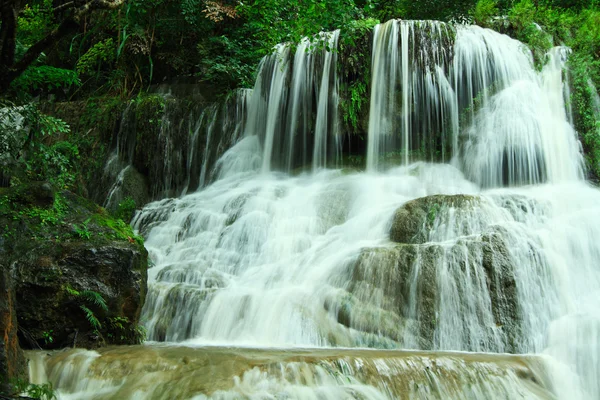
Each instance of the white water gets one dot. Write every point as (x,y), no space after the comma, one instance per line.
(479,98)
(262,258)
(294,114)
(176,372)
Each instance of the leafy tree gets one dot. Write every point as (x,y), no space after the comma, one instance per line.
(60,21)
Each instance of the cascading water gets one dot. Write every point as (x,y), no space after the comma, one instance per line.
(493,252)
(514,123)
(177,146)
(295,114)
(412,105)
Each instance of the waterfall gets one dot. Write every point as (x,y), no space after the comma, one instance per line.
(472,94)
(481,240)
(412,104)
(295,113)
(176,146)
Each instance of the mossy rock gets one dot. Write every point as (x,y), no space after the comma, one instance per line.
(404,284)
(412,222)
(61,247)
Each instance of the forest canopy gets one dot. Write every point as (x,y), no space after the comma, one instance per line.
(75,48)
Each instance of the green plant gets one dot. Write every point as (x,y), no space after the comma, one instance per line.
(101,53)
(120,330)
(82,230)
(42,391)
(120,229)
(55,163)
(126,209)
(432,214)
(484,11)
(45,77)
(86,299)
(47,336)
(354,54)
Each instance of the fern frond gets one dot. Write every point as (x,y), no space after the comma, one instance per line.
(89,314)
(94,298)
(71,291)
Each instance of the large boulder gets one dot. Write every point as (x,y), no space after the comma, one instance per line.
(437,296)
(446,281)
(413,222)
(80,275)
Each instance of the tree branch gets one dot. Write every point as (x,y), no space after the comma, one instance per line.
(9,69)
(8,35)
(66,27)
(97,5)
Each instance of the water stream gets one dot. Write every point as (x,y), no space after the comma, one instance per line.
(481,240)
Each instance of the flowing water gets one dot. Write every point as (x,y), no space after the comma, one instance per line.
(490,249)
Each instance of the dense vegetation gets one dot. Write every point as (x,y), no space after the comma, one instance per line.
(80,50)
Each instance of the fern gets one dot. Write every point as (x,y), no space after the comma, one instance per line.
(89,314)
(94,298)
(89,297)
(72,291)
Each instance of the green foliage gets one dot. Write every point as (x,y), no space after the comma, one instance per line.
(55,163)
(82,231)
(523,17)
(587,118)
(432,214)
(352,106)
(34,21)
(13,208)
(484,11)
(94,298)
(442,10)
(102,53)
(354,50)
(229,61)
(126,209)
(86,299)
(40,154)
(120,229)
(121,331)
(47,336)
(46,78)
(33,391)
(91,317)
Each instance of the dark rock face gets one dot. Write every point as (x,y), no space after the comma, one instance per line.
(47,308)
(69,257)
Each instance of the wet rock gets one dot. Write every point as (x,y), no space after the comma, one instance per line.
(69,257)
(411,222)
(129,184)
(414,286)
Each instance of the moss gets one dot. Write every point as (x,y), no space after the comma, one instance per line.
(118,228)
(586,118)
(37,211)
(354,70)
(411,222)
(58,240)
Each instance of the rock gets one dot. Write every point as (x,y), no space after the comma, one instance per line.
(411,222)
(460,294)
(128,183)
(69,256)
